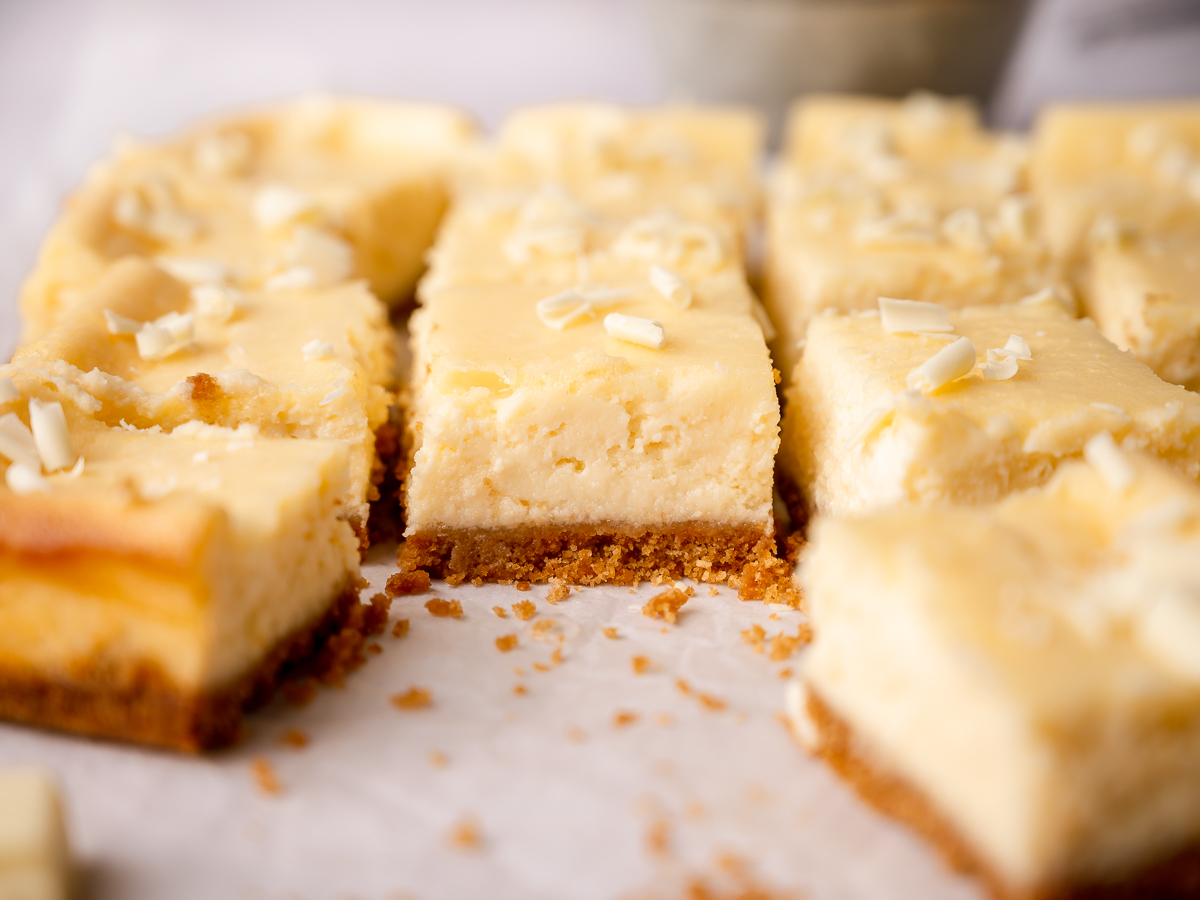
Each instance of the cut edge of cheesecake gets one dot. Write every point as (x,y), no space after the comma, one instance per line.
(826,735)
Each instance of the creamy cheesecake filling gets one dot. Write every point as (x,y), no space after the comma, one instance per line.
(1013,665)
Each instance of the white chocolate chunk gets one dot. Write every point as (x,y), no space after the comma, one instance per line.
(900,316)
(964,229)
(317,349)
(50,435)
(1018,347)
(951,362)
(166,335)
(275,205)
(671,287)
(17,444)
(646,332)
(1103,455)
(562,309)
(8,391)
(121,325)
(193,271)
(217,302)
(22,480)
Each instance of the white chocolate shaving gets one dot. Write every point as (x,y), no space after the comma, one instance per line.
(121,325)
(317,349)
(339,390)
(964,229)
(877,417)
(999,366)
(764,320)
(17,444)
(665,238)
(1110,463)
(166,335)
(911,316)
(8,391)
(22,480)
(222,154)
(280,204)
(293,278)
(671,287)
(193,271)
(951,362)
(547,240)
(50,435)
(77,469)
(646,332)
(562,309)
(1171,630)
(216,302)
(1050,295)
(329,257)
(1014,218)
(1018,347)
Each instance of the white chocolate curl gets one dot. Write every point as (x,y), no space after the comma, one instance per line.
(1103,455)
(674,289)
(900,316)
(50,435)
(646,332)
(8,391)
(17,444)
(951,362)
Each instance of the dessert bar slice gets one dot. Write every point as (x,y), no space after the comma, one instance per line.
(152,585)
(289,362)
(900,199)
(921,405)
(603,435)
(1021,682)
(309,193)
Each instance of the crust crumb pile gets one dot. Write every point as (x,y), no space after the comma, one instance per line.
(666,605)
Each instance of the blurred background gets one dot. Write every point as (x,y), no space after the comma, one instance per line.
(73,73)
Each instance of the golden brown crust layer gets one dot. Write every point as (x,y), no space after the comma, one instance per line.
(1175,878)
(585,554)
(142,705)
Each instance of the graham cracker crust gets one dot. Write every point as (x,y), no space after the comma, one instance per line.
(1174,878)
(145,707)
(742,555)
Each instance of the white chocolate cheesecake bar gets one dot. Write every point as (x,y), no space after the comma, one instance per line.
(1133,167)
(1021,682)
(307,194)
(918,415)
(899,199)
(591,450)
(34,855)
(153,584)
(292,362)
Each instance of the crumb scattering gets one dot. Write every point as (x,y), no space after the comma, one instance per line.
(708,701)
(557,656)
(712,590)
(520,690)
(642,665)
(558,591)
(755,636)
(774,617)
(500,612)
(404,583)
(519,672)
(610,632)
(299,692)
(465,835)
(683,686)
(666,605)
(264,776)
(784,645)
(623,718)
(294,737)
(454,579)
(413,698)
(506,642)
(541,627)
(658,838)
(523,585)
(438,758)
(524,610)
(374,649)
(445,608)
(400,629)
(542,667)
(785,673)
(576,734)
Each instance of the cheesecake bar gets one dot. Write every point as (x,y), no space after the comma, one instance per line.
(296,362)
(1019,681)
(917,404)
(1126,167)
(1144,295)
(34,856)
(899,199)
(592,435)
(307,194)
(154,584)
